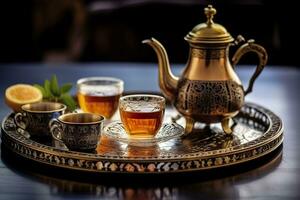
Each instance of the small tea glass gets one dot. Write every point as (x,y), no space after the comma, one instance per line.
(99,95)
(142,114)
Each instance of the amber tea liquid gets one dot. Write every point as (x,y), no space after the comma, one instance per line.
(103,105)
(142,124)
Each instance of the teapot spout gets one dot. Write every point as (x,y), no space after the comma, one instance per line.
(167,81)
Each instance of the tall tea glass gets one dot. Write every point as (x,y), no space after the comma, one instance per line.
(99,95)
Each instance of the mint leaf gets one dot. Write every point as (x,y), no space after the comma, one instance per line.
(47,89)
(52,92)
(69,101)
(54,86)
(65,88)
(42,90)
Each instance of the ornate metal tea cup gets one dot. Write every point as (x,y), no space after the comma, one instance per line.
(78,131)
(35,117)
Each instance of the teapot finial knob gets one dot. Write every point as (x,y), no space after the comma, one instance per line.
(210,12)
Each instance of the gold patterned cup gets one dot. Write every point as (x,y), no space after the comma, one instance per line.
(78,131)
(35,118)
(142,114)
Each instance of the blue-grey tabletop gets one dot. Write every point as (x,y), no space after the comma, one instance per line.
(274,177)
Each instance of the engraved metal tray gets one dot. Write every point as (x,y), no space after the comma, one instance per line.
(256,132)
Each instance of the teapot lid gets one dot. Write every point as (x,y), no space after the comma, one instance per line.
(209,32)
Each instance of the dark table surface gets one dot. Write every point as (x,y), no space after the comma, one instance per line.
(276,176)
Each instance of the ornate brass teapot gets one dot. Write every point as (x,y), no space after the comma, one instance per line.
(209,90)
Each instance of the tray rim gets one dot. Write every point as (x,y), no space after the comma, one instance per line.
(18,146)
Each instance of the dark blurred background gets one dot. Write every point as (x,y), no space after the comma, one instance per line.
(98,30)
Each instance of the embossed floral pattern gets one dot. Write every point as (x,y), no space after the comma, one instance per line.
(209,97)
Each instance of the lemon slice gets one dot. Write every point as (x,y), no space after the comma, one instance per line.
(20,94)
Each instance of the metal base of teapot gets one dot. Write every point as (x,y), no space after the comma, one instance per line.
(190,122)
(209,102)
(225,125)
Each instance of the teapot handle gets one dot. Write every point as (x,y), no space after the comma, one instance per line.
(250,46)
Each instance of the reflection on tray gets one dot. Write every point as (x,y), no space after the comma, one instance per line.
(142,187)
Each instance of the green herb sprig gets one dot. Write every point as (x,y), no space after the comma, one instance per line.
(53,92)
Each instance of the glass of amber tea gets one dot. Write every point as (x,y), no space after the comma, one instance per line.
(99,95)
(142,114)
